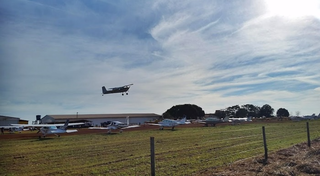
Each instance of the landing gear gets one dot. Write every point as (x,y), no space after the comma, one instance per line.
(41,137)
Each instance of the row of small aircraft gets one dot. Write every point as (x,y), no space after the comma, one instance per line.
(45,129)
(212,121)
(57,129)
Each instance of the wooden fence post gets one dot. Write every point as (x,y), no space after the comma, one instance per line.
(265,145)
(153,170)
(308,135)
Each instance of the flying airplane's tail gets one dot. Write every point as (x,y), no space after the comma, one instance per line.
(65,126)
(104,90)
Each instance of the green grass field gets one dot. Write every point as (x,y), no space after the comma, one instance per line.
(184,151)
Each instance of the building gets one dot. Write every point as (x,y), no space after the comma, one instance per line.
(97,119)
(7,121)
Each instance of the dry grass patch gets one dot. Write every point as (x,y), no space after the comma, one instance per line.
(296,160)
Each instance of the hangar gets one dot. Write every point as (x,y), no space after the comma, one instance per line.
(97,119)
(7,120)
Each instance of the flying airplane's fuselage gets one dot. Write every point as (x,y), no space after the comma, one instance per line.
(123,89)
(117,90)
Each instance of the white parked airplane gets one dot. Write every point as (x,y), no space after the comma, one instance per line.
(240,120)
(171,123)
(214,120)
(113,125)
(308,117)
(46,129)
(12,129)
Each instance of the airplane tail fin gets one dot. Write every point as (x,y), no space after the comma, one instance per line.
(128,123)
(183,120)
(65,126)
(104,90)
(226,119)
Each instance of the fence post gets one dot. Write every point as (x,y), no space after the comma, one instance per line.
(308,135)
(265,145)
(153,170)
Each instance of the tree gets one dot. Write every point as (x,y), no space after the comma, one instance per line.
(242,113)
(220,113)
(253,111)
(282,112)
(231,111)
(189,110)
(266,110)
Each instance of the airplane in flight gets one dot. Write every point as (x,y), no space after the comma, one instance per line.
(122,89)
(55,129)
(171,123)
(114,125)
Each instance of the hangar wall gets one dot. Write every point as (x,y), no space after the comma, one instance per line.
(7,121)
(97,119)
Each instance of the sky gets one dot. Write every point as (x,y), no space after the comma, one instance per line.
(55,55)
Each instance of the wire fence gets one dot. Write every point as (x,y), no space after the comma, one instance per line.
(234,149)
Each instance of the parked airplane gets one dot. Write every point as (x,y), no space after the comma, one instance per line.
(214,120)
(113,125)
(308,117)
(240,120)
(46,129)
(12,129)
(123,89)
(171,123)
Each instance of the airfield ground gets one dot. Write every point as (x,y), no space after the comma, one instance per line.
(296,160)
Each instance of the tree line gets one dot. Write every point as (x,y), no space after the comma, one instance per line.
(192,111)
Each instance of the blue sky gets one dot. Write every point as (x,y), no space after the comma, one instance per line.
(56,55)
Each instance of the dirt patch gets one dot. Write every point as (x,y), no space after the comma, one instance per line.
(296,160)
